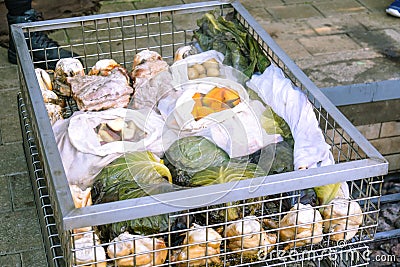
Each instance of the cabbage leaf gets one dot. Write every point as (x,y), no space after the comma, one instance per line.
(132,175)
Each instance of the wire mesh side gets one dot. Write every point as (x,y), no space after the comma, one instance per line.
(266,231)
(165,31)
(43,205)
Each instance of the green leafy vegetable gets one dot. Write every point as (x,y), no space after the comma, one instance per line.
(326,193)
(132,175)
(192,154)
(230,38)
(229,173)
(224,174)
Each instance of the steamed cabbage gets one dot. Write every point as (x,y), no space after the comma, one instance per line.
(192,154)
(132,175)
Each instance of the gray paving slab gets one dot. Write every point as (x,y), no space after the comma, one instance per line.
(339,8)
(334,42)
(8,79)
(10,130)
(20,231)
(293,12)
(14,151)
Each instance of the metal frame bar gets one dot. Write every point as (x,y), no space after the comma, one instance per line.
(222,193)
(70,218)
(363,93)
(50,156)
(44,209)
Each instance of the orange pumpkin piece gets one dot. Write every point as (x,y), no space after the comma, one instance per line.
(231,97)
(200,112)
(216,93)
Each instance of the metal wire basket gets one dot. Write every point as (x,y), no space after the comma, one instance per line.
(120,36)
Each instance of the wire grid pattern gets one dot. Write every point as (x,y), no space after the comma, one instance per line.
(313,249)
(39,185)
(120,38)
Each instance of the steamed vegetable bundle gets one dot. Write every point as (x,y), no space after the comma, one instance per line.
(192,154)
(223,174)
(135,250)
(201,244)
(132,175)
(230,38)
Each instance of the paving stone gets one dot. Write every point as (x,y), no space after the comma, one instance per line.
(384,41)
(333,25)
(394,162)
(328,44)
(11,260)
(293,48)
(5,195)
(15,152)
(260,14)
(21,191)
(10,129)
(286,30)
(326,59)
(387,146)
(381,20)
(34,258)
(150,4)
(294,11)
(109,7)
(391,128)
(3,58)
(254,4)
(370,131)
(8,77)
(373,5)
(20,231)
(191,1)
(8,102)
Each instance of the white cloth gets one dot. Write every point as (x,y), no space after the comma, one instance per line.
(83,155)
(237,130)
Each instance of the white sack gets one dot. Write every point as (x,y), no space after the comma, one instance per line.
(237,130)
(290,103)
(82,154)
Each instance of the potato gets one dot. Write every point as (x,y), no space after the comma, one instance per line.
(192,73)
(200,68)
(212,72)
(116,125)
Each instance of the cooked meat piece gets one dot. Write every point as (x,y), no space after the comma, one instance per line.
(54,111)
(93,93)
(147,64)
(144,56)
(65,68)
(149,86)
(105,67)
